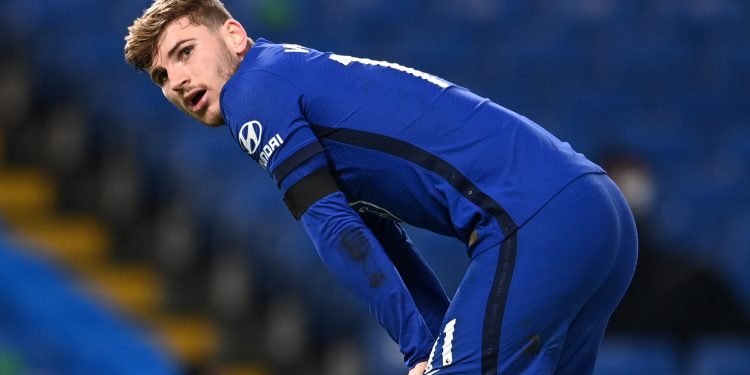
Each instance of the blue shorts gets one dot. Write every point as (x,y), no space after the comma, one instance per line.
(539,302)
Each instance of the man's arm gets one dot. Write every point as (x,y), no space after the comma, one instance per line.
(423,285)
(265,114)
(355,256)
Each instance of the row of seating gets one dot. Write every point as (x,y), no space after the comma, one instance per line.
(49,324)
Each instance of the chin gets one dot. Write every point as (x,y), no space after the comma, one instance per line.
(214,123)
(212,120)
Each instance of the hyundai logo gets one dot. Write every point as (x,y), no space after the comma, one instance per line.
(250,135)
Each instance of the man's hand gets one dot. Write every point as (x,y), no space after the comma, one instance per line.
(418,368)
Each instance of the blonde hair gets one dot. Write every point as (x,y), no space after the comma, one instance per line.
(143,35)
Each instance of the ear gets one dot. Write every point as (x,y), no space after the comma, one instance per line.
(234,36)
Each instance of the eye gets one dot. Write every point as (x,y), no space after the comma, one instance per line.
(161,77)
(186,52)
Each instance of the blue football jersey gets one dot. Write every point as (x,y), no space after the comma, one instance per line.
(397,140)
(403,145)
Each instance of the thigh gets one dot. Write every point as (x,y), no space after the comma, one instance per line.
(585,333)
(458,349)
(583,339)
(554,264)
(523,335)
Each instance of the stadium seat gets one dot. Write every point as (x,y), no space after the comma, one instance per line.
(637,355)
(55,327)
(720,356)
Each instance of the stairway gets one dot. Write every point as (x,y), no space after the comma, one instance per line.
(82,243)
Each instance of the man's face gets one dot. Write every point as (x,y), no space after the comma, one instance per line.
(191,64)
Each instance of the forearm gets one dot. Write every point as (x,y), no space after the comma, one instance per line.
(353,254)
(424,287)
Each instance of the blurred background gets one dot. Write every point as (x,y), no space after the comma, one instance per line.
(135,241)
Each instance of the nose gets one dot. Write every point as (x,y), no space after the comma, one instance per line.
(178,79)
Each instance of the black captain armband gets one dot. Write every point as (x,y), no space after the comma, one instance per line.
(309,190)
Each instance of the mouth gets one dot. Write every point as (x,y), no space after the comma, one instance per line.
(195,100)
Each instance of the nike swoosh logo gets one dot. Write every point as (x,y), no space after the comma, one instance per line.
(432,372)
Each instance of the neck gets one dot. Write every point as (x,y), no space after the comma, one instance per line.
(250,44)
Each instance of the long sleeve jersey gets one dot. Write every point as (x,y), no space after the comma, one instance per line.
(400,144)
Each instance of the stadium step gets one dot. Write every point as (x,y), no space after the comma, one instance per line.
(245,369)
(133,288)
(23,192)
(82,243)
(193,339)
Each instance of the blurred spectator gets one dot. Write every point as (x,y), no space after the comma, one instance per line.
(15,90)
(669,294)
(343,358)
(285,336)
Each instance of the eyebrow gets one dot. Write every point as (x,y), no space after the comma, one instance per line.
(177,45)
(158,69)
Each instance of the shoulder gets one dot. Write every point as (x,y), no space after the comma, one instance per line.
(267,64)
(259,95)
(282,59)
(271,78)
(257,89)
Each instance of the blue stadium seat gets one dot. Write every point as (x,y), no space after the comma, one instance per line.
(637,355)
(720,356)
(56,328)
(734,256)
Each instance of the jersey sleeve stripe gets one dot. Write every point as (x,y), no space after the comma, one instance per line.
(309,190)
(295,160)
